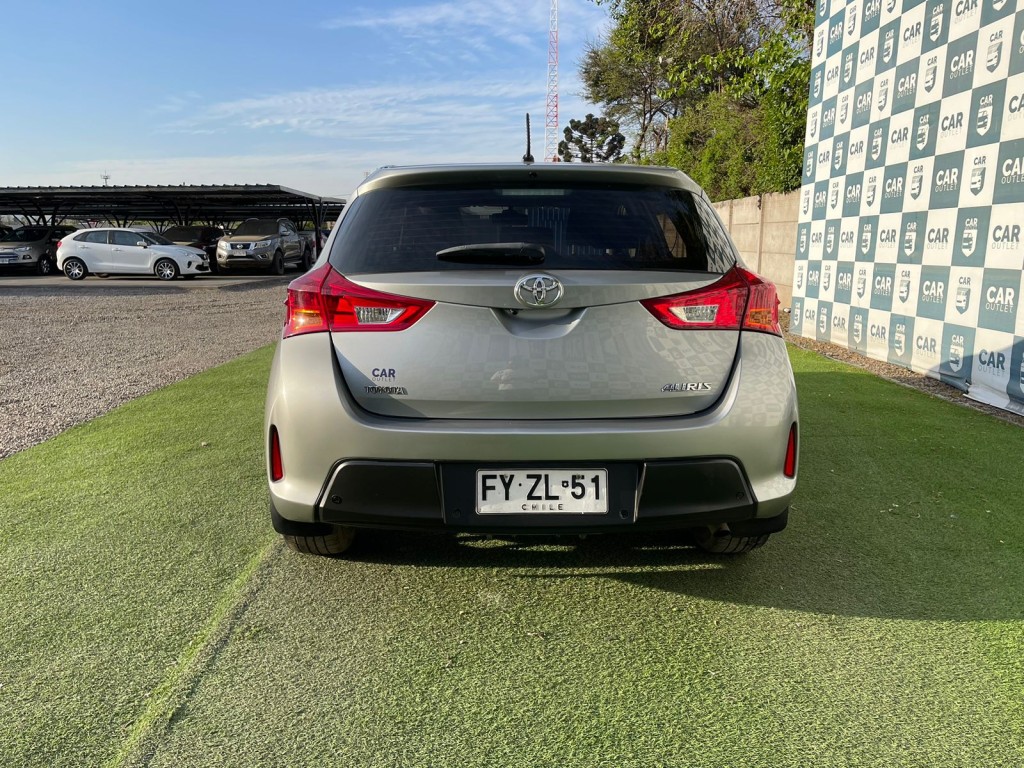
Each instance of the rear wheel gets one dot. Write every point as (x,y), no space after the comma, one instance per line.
(741,536)
(75,269)
(277,265)
(327,545)
(307,259)
(725,543)
(323,539)
(166,269)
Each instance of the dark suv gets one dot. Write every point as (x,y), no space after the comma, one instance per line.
(197,237)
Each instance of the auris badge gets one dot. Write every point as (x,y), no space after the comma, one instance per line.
(538,291)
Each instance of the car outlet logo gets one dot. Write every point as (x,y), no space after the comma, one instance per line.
(963,298)
(935,27)
(956,353)
(994,55)
(923,129)
(969,237)
(977,179)
(538,291)
(916,184)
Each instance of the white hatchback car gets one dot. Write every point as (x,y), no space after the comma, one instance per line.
(117,251)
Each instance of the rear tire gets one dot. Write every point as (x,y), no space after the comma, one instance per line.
(328,545)
(165,269)
(307,260)
(719,543)
(75,269)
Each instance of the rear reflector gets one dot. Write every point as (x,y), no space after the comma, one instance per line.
(740,299)
(276,467)
(789,470)
(323,300)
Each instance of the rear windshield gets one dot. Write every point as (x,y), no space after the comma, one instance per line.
(571,227)
(183,233)
(257,227)
(26,235)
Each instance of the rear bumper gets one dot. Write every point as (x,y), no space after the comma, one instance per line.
(325,436)
(654,495)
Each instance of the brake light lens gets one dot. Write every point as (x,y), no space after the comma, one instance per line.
(276,467)
(323,300)
(740,299)
(789,469)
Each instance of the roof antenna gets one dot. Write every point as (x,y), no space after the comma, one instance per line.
(528,157)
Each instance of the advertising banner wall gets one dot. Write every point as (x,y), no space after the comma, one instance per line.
(909,243)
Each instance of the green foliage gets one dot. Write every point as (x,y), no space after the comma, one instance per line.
(728,76)
(591,140)
(716,142)
(630,89)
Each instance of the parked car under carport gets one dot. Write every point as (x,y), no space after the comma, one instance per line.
(32,246)
(197,236)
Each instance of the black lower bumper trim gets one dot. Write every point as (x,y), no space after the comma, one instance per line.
(653,495)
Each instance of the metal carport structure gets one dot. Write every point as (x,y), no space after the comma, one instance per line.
(167,205)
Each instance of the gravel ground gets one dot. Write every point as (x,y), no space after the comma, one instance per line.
(67,356)
(60,365)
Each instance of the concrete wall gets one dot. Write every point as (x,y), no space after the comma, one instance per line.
(764,230)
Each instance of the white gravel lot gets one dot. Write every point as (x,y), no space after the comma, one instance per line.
(68,356)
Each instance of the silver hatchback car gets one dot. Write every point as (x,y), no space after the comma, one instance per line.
(546,349)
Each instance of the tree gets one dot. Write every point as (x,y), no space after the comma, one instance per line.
(628,74)
(718,143)
(591,140)
(706,82)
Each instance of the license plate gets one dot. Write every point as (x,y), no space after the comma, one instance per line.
(541,491)
(7,259)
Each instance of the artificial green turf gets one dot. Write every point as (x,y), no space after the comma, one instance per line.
(119,539)
(882,628)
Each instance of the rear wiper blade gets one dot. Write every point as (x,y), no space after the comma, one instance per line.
(512,254)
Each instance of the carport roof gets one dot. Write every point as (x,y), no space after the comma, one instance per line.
(183,204)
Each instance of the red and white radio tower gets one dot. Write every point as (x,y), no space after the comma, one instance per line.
(551,124)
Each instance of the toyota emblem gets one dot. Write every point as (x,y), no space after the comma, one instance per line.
(538,291)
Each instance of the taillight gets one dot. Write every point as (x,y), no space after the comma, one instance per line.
(276,467)
(740,299)
(323,300)
(59,242)
(789,469)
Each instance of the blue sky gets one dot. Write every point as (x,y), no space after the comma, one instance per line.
(310,94)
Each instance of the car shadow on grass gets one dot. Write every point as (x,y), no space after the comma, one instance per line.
(798,570)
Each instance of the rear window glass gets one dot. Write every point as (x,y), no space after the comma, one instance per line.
(183,233)
(27,234)
(577,227)
(257,227)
